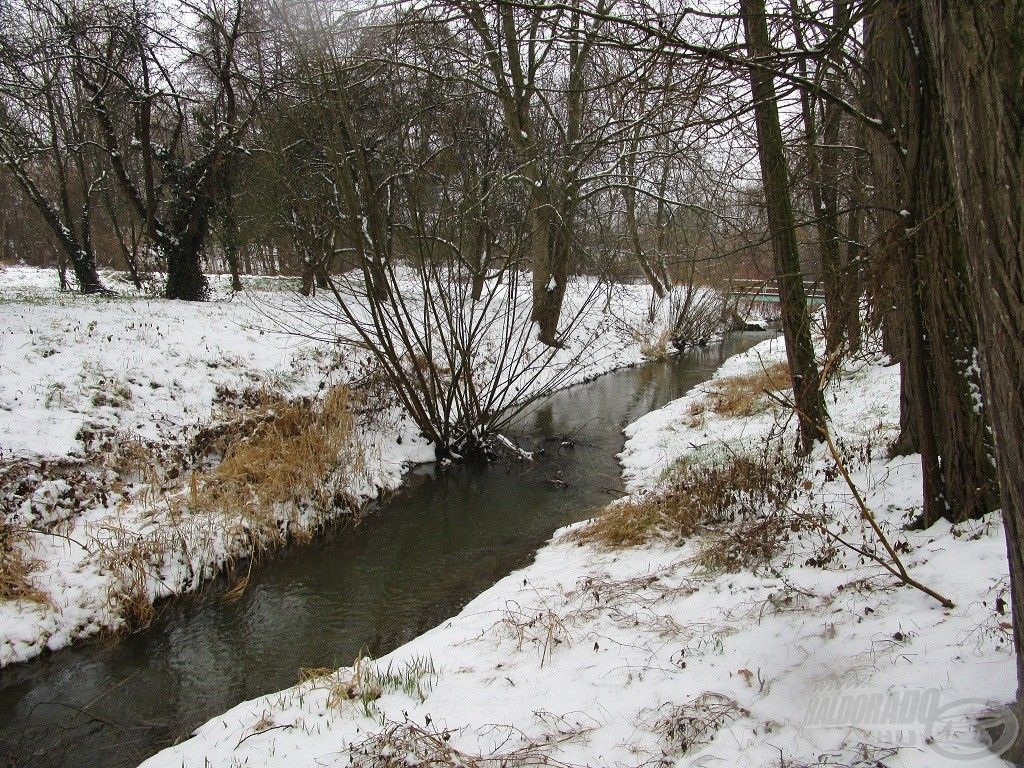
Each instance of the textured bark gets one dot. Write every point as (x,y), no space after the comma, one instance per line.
(854,287)
(188,225)
(977,49)
(229,220)
(941,382)
(796,325)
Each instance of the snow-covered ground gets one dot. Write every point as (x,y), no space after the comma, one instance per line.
(646,656)
(83,377)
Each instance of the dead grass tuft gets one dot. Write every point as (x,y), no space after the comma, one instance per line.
(364,682)
(693,726)
(406,744)
(742,487)
(16,566)
(746,544)
(738,396)
(132,559)
(279,454)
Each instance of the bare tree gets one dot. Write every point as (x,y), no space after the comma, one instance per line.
(168,117)
(45,133)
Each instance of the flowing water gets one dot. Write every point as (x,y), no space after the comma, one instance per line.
(446,537)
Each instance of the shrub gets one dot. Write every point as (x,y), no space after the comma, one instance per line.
(16,565)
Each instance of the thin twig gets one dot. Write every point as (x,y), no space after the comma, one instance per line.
(896,567)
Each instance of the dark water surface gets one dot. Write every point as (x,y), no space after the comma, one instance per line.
(413,563)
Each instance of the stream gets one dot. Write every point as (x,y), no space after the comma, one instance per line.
(443,539)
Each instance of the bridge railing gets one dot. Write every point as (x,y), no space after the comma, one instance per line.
(768,290)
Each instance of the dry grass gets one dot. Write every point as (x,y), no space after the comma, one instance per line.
(16,566)
(277,458)
(364,682)
(280,454)
(132,559)
(693,726)
(658,347)
(409,745)
(735,504)
(738,396)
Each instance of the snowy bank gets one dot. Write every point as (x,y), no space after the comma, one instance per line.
(645,656)
(104,400)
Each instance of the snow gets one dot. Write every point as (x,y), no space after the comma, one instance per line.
(135,369)
(640,656)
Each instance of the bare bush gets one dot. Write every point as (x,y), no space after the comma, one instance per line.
(407,744)
(695,315)
(692,726)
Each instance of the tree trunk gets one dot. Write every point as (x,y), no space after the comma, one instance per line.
(185,278)
(823,160)
(308,277)
(939,334)
(977,49)
(232,241)
(477,285)
(853,286)
(550,242)
(796,326)
(183,250)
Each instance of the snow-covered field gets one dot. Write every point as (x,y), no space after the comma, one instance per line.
(83,378)
(645,657)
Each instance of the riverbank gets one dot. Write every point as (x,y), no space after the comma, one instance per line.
(116,415)
(751,635)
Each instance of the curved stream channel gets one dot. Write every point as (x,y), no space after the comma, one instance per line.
(442,540)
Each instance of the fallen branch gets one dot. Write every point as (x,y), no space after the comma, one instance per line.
(896,567)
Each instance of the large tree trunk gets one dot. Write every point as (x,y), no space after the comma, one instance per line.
(229,220)
(86,275)
(796,326)
(308,277)
(183,246)
(977,49)
(939,334)
(185,278)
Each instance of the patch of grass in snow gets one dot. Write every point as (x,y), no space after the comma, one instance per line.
(132,559)
(364,682)
(692,726)
(112,392)
(16,565)
(278,456)
(405,744)
(738,396)
(738,494)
